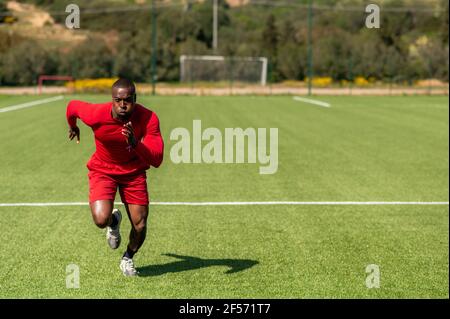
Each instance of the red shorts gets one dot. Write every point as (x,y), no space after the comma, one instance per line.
(132,188)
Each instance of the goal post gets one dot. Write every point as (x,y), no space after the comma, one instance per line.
(44,77)
(216,68)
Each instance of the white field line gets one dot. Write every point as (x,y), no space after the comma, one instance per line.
(29,104)
(320,103)
(227,203)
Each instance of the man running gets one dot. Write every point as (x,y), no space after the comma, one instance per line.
(128,141)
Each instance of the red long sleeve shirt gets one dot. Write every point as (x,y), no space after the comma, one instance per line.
(112,155)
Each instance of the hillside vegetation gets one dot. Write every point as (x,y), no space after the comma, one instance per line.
(115,39)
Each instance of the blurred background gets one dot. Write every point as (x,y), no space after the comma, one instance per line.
(226,46)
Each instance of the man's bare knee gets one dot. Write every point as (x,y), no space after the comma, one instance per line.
(140,227)
(101,218)
(101,212)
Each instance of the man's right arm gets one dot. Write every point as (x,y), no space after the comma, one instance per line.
(82,110)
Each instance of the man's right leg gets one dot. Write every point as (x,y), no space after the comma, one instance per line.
(102,212)
(104,216)
(102,191)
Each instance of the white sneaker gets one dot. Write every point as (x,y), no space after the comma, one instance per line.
(113,234)
(127,267)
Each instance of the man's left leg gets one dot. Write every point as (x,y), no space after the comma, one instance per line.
(138,218)
(134,195)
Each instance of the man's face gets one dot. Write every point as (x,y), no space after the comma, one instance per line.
(124,101)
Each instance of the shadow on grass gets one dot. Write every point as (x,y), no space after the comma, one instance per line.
(190,263)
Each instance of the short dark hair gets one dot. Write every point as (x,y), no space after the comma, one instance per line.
(125,83)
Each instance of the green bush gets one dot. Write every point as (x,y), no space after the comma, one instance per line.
(22,64)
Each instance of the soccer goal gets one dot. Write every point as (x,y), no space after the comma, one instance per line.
(214,68)
(47,78)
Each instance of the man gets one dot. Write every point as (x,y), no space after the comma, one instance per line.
(128,141)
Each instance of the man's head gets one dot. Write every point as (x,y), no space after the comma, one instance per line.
(123,98)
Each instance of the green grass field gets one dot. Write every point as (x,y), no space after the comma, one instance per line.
(361,149)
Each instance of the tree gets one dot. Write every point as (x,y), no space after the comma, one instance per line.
(202,15)
(3,10)
(23,63)
(431,56)
(133,60)
(91,59)
(288,32)
(292,60)
(269,43)
(9,39)
(444,22)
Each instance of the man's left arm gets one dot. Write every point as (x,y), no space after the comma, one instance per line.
(151,147)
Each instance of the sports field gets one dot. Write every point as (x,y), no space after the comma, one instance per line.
(361,150)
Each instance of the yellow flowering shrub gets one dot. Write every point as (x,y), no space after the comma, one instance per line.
(320,81)
(361,81)
(92,85)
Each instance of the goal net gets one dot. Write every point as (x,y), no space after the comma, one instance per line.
(213,68)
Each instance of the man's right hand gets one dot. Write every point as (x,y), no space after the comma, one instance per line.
(74,131)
